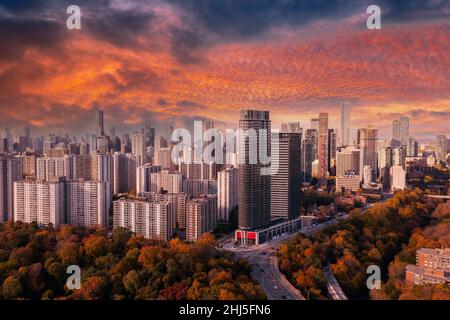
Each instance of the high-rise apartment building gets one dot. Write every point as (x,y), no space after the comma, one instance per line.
(178,201)
(285,184)
(124,166)
(144,176)
(149,219)
(138,148)
(201,216)
(42,202)
(87,203)
(227,188)
(11,170)
(51,168)
(254,187)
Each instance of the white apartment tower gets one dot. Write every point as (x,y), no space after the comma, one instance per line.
(42,202)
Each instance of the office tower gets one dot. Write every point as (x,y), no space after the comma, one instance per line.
(152,220)
(112,131)
(291,127)
(345,125)
(11,170)
(149,134)
(196,187)
(103,144)
(144,181)
(412,147)
(404,130)
(88,203)
(102,168)
(171,182)
(399,156)
(100,129)
(308,154)
(254,188)
(398,178)
(367,142)
(332,149)
(441,148)
(201,216)
(285,184)
(42,202)
(138,148)
(322,149)
(3,145)
(396,136)
(227,187)
(178,201)
(199,170)
(348,160)
(53,168)
(315,124)
(124,172)
(163,158)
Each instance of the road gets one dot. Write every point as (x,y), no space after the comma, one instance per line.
(334,289)
(265,271)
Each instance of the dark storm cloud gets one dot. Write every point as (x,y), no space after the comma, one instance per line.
(237,18)
(19,34)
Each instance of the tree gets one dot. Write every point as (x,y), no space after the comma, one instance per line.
(11,288)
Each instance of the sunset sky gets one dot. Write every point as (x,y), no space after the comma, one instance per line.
(175,61)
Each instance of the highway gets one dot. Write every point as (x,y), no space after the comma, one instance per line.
(334,289)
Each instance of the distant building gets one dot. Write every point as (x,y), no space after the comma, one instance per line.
(441,148)
(398,178)
(144,176)
(345,125)
(432,267)
(322,172)
(349,181)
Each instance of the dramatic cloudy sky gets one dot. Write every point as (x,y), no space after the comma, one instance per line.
(178,60)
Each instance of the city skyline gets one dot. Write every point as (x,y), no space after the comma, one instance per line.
(178,62)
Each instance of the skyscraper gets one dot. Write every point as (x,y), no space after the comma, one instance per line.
(396,133)
(441,148)
(227,183)
(138,148)
(100,128)
(254,188)
(367,142)
(11,170)
(332,149)
(322,149)
(404,130)
(285,184)
(345,125)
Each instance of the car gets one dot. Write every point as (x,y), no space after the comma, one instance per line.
(275,287)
